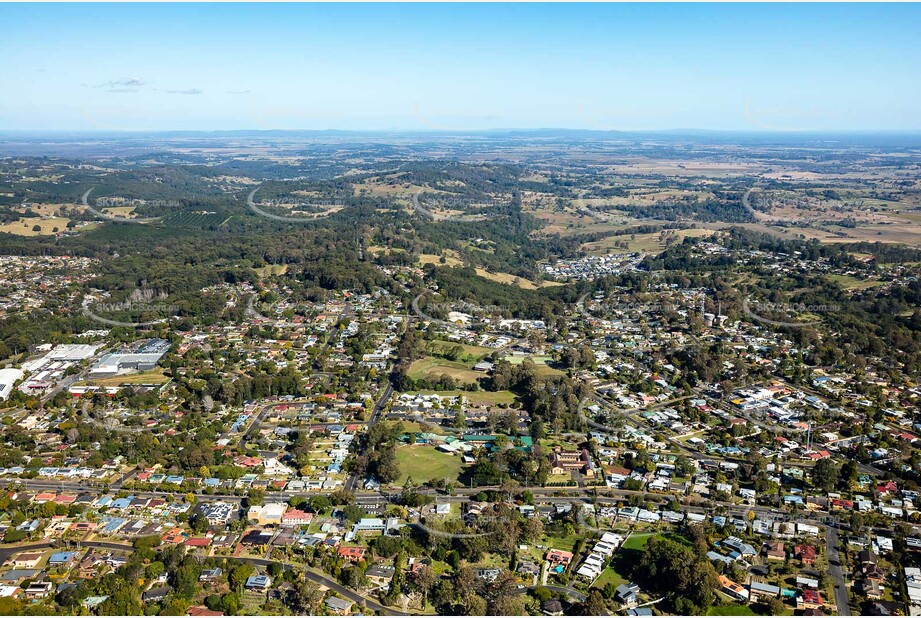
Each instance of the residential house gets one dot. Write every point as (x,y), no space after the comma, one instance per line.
(774,550)
(760,590)
(339,607)
(352,554)
(380,574)
(805,554)
(258,582)
(734,590)
(627,595)
(296,517)
(156,594)
(810,599)
(26,560)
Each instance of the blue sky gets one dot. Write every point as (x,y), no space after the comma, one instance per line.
(460,66)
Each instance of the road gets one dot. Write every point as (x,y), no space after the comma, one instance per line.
(836,572)
(548,495)
(346,311)
(7,552)
(253,428)
(332,584)
(422,211)
(746,201)
(379,405)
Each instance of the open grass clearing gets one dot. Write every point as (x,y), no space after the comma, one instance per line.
(541,361)
(154,376)
(24,226)
(474,351)
(424,463)
(853,283)
(731,610)
(637,541)
(653,242)
(609,576)
(271,269)
(431,366)
(450,260)
(521,282)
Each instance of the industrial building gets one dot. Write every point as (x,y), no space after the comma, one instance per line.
(143,358)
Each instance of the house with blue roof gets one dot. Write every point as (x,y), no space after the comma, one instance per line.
(122,503)
(91,602)
(62,557)
(258,582)
(102,501)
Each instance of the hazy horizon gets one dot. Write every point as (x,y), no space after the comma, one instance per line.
(461,67)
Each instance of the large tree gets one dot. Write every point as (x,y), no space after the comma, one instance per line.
(826,474)
(684,577)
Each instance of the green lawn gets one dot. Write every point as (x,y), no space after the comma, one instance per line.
(731,610)
(549,443)
(154,376)
(431,366)
(473,352)
(424,463)
(609,576)
(414,427)
(637,541)
(566,543)
(853,283)
(541,361)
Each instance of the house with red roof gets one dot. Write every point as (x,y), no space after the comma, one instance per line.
(558,556)
(352,554)
(810,599)
(296,517)
(805,553)
(887,487)
(197,541)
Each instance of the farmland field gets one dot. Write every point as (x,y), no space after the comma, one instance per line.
(24,225)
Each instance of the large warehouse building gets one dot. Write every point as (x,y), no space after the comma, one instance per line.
(144,358)
(8,378)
